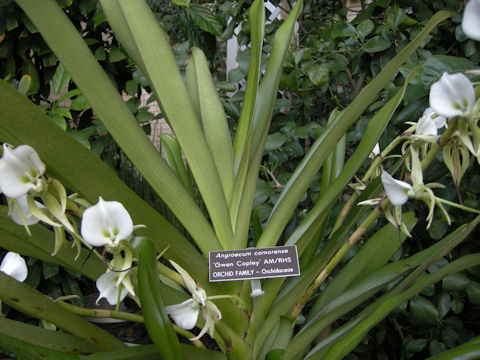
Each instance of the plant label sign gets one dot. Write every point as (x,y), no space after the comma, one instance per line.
(253,263)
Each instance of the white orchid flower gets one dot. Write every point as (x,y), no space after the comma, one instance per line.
(14,265)
(471,20)
(109,289)
(21,171)
(185,314)
(106,223)
(429,123)
(21,211)
(397,190)
(452,95)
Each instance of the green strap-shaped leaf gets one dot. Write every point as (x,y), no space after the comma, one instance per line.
(159,66)
(202,90)
(32,335)
(345,292)
(378,249)
(279,340)
(257,23)
(21,297)
(149,352)
(313,160)
(173,156)
(264,105)
(158,325)
(467,351)
(67,44)
(25,350)
(417,264)
(348,342)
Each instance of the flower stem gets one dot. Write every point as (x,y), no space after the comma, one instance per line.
(437,146)
(357,235)
(101,313)
(458,206)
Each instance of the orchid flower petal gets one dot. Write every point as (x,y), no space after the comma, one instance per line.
(429,123)
(14,265)
(108,289)
(375,151)
(27,215)
(106,223)
(21,170)
(210,312)
(452,95)
(471,20)
(396,190)
(198,294)
(184,314)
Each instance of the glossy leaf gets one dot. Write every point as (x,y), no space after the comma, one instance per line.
(376,44)
(423,310)
(202,17)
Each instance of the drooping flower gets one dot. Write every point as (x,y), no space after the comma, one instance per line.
(471,20)
(106,223)
(396,189)
(21,171)
(452,95)
(109,289)
(14,265)
(429,123)
(186,313)
(25,212)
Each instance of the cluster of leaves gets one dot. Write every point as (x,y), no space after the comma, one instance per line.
(326,70)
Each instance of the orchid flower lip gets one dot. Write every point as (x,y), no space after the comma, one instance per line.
(471,20)
(15,266)
(397,190)
(452,95)
(184,314)
(21,171)
(108,289)
(28,216)
(106,223)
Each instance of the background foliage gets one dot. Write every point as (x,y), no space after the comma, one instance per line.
(327,67)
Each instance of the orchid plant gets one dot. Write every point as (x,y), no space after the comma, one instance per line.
(50,192)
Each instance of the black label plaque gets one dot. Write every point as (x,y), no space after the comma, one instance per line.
(253,263)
